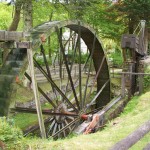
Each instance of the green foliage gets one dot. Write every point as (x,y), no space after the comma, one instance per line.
(116,57)
(10,135)
(131,105)
(41,61)
(5,16)
(84,57)
(7,133)
(44,11)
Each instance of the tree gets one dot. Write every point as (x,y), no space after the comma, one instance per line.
(15,22)
(133,11)
(27,14)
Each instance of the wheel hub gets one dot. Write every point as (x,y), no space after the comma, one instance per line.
(61,108)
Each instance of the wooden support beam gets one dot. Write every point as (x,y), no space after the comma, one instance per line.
(12,35)
(36,94)
(123,85)
(141,84)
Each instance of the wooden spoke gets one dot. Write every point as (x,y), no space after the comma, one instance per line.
(66,122)
(55,86)
(54,130)
(63,130)
(65,127)
(59,127)
(67,67)
(99,92)
(47,68)
(51,127)
(41,91)
(80,76)
(71,66)
(87,81)
(94,81)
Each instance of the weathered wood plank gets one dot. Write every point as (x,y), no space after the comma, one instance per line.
(11,36)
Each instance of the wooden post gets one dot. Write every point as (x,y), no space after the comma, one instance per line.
(36,94)
(140,84)
(123,85)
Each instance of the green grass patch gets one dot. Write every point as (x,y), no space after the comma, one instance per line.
(24,120)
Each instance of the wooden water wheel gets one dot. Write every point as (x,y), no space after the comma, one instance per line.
(78,75)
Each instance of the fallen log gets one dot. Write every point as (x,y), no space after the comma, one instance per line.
(147,147)
(134,137)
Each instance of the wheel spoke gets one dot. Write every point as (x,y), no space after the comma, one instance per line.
(67,67)
(66,122)
(47,67)
(63,130)
(58,130)
(55,127)
(80,79)
(97,74)
(45,112)
(71,118)
(65,127)
(99,92)
(41,91)
(71,35)
(60,70)
(73,59)
(87,80)
(55,86)
(51,126)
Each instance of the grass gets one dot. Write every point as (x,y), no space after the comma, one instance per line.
(23,120)
(21,94)
(135,114)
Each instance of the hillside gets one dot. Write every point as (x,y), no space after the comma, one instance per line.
(134,115)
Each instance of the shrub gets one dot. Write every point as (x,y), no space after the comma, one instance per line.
(116,57)
(10,135)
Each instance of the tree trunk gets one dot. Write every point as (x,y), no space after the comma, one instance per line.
(14,25)
(16,19)
(131,25)
(27,15)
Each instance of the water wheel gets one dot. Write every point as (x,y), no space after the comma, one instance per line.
(78,74)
